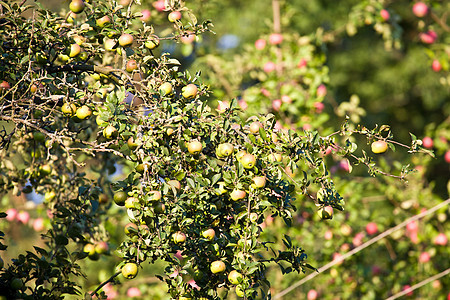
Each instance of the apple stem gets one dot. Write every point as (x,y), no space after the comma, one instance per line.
(105,282)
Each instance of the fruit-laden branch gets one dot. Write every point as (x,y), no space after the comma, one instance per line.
(87,68)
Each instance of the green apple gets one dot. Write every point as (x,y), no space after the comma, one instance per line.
(110,132)
(234,277)
(178,237)
(248,161)
(254,127)
(217,266)
(83,112)
(129,270)
(69,109)
(166,88)
(209,234)
(259,181)
(77,6)
(194,147)
(189,91)
(379,147)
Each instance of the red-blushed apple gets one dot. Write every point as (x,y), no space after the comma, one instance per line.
(321,90)
(436,65)
(209,234)
(103,21)
(254,127)
(447,156)
(328,235)
(126,40)
(131,65)
(159,5)
(336,257)
(222,106)
(412,226)
(236,195)
(385,14)
(286,99)
(11,214)
(428,37)
(260,44)
(275,39)
(23,217)
(357,239)
(133,292)
(312,295)
(325,212)
(407,287)
(146,15)
(265,92)
(420,9)
(259,181)
(302,63)
(427,142)
(101,247)
(4,85)
(379,147)
(174,16)
(179,237)
(371,228)
(440,239)
(188,39)
(319,106)
(276,104)
(242,104)
(269,67)
(154,196)
(77,6)
(130,229)
(38,224)
(424,257)
(189,91)
(194,147)
(217,266)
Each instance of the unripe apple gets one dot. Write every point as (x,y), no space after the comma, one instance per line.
(77,6)
(240,154)
(109,44)
(217,266)
(234,277)
(225,149)
(209,234)
(110,132)
(83,112)
(248,161)
(175,184)
(275,38)
(174,16)
(239,292)
(254,127)
(89,249)
(189,91)
(126,40)
(221,189)
(371,228)
(379,147)
(194,147)
(16,284)
(166,88)
(179,237)
(131,202)
(103,21)
(152,44)
(129,270)
(154,196)
(131,65)
(326,212)
(236,195)
(420,9)
(259,181)
(68,109)
(4,85)
(130,229)
(159,207)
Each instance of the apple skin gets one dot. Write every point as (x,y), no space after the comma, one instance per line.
(209,234)
(217,266)
(427,142)
(89,249)
(236,195)
(254,127)
(174,16)
(166,88)
(103,21)
(131,143)
(239,292)
(75,50)
(110,132)
(259,181)
(248,161)
(379,147)
(178,237)
(234,277)
(146,15)
(131,65)
(371,228)
(436,65)
(269,67)
(428,37)
(130,228)
(126,40)
(83,112)
(194,147)
(109,44)
(326,212)
(260,44)
(275,39)
(4,85)
(447,156)
(152,44)
(129,270)
(69,109)
(440,239)
(77,6)
(189,91)
(420,9)
(385,14)
(175,184)
(154,196)
(225,149)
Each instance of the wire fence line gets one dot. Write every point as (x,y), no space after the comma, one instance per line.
(359,248)
(420,284)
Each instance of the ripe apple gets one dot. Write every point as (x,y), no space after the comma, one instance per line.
(447,156)
(379,147)
(436,65)
(109,44)
(248,161)
(312,295)
(68,109)
(175,184)
(189,91)
(275,38)
(103,21)
(126,40)
(4,85)
(130,229)
(38,224)
(276,104)
(225,149)
(146,15)
(131,65)
(236,195)
(154,196)
(152,44)
(178,237)
(23,217)
(83,112)
(321,90)
(259,181)
(427,142)
(326,212)
(159,5)
(129,270)
(234,277)
(260,44)
(254,127)
(209,234)
(188,39)
(217,266)
(120,198)
(428,37)
(371,228)
(110,132)
(101,247)
(166,88)
(420,9)
(424,257)
(440,239)
(77,6)
(269,67)
(384,14)
(174,16)
(194,147)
